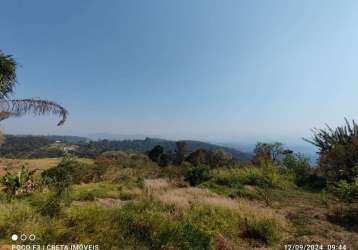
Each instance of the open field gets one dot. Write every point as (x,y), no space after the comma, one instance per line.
(138,205)
(32,164)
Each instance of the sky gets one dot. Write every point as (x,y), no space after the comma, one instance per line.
(229,71)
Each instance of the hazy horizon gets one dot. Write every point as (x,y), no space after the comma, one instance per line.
(228,71)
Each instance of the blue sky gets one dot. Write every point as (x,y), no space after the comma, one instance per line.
(235,71)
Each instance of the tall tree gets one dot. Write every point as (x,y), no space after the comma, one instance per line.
(338,151)
(267,152)
(10,107)
(180,152)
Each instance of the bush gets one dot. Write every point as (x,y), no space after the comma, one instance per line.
(266,230)
(247,193)
(155,231)
(347,192)
(142,225)
(22,218)
(215,219)
(50,207)
(69,172)
(256,176)
(338,151)
(304,175)
(60,177)
(90,191)
(197,174)
(267,153)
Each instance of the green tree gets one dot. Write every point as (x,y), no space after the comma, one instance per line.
(267,152)
(20,183)
(17,107)
(156,153)
(338,151)
(199,156)
(181,148)
(10,185)
(220,158)
(197,174)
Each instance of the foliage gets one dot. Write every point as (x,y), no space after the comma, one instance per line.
(200,156)
(181,148)
(21,217)
(7,74)
(338,151)
(221,158)
(197,174)
(28,146)
(71,171)
(266,230)
(347,192)
(22,183)
(155,231)
(265,153)
(50,206)
(155,153)
(262,177)
(63,175)
(304,174)
(214,159)
(91,191)
(11,185)
(19,107)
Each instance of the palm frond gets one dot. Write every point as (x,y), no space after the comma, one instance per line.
(7,74)
(9,108)
(326,139)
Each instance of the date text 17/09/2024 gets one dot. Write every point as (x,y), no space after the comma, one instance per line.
(56,247)
(316,247)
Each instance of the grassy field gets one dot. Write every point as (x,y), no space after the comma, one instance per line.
(32,164)
(138,205)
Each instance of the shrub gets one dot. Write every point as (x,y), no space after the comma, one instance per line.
(21,183)
(247,193)
(155,153)
(11,185)
(304,175)
(266,230)
(155,231)
(262,177)
(214,219)
(50,207)
(60,177)
(90,191)
(69,172)
(214,159)
(197,174)
(144,225)
(266,153)
(347,192)
(338,151)
(19,217)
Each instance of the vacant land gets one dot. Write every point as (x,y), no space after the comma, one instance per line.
(135,204)
(32,164)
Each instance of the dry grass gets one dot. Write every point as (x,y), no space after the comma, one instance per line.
(32,164)
(166,192)
(157,184)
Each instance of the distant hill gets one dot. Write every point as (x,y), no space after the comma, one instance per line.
(116,137)
(34,146)
(149,143)
(28,146)
(68,139)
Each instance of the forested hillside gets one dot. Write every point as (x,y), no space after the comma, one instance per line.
(27,146)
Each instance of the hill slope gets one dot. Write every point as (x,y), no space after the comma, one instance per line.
(27,146)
